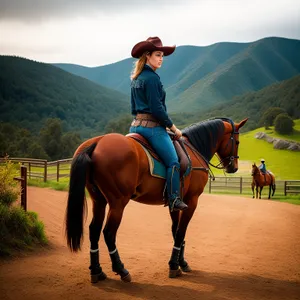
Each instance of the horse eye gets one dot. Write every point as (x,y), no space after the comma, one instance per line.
(237,142)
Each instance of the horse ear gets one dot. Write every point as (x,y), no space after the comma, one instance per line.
(241,124)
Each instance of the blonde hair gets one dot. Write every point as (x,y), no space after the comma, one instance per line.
(139,65)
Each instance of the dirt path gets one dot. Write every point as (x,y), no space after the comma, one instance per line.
(239,248)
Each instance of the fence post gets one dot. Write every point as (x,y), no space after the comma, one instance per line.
(45,171)
(285,188)
(209,185)
(241,185)
(29,170)
(24,187)
(57,171)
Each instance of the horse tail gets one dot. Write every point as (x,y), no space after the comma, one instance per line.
(76,205)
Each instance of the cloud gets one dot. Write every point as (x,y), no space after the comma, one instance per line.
(37,10)
(100,32)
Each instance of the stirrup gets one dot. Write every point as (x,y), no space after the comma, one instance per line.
(180,205)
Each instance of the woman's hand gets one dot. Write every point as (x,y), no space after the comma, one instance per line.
(176,131)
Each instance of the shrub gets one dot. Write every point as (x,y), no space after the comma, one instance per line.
(283,124)
(268,117)
(9,188)
(18,229)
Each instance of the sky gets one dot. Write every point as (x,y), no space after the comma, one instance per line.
(100,32)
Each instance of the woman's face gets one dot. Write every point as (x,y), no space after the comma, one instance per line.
(155,59)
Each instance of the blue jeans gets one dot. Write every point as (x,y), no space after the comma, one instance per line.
(160,141)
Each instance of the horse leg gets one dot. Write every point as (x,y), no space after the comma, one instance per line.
(256,192)
(99,205)
(269,191)
(184,219)
(110,231)
(184,266)
(273,188)
(260,190)
(252,187)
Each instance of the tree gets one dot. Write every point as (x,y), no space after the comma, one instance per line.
(283,124)
(50,137)
(269,116)
(70,141)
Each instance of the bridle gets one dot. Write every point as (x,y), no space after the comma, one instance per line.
(231,140)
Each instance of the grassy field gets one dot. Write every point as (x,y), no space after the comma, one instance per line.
(284,164)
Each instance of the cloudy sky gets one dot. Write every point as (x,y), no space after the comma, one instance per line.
(100,32)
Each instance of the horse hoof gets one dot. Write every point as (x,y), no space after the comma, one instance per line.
(175,273)
(98,277)
(126,278)
(186,268)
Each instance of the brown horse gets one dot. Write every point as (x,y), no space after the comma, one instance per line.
(260,180)
(114,169)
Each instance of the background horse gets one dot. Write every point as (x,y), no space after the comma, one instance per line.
(115,169)
(260,180)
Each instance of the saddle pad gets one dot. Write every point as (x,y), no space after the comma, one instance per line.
(157,169)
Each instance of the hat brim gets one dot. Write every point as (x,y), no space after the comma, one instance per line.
(142,47)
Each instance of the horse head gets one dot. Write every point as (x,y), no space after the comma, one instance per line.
(228,148)
(254,169)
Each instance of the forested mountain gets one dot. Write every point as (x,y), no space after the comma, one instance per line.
(31,92)
(200,77)
(252,105)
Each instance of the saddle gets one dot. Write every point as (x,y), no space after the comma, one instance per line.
(183,156)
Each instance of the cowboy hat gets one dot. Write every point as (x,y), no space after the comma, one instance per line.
(151,44)
(262,160)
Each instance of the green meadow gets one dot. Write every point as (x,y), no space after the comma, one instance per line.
(284,164)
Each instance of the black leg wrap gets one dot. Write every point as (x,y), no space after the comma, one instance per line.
(96,271)
(182,262)
(117,265)
(174,260)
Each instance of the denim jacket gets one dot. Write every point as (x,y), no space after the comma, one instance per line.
(262,167)
(149,96)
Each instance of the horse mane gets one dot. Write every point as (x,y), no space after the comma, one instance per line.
(205,134)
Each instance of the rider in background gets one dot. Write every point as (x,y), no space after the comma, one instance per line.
(262,166)
(148,106)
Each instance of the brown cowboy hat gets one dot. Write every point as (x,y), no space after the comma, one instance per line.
(151,44)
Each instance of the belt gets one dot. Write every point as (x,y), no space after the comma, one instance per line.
(144,123)
(145,117)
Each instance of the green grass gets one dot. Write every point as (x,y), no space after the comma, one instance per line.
(20,230)
(62,185)
(284,164)
(295,136)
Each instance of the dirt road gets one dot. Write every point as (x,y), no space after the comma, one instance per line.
(238,248)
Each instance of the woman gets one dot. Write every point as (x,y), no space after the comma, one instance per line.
(149,108)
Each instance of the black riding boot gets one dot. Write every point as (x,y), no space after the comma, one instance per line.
(173,186)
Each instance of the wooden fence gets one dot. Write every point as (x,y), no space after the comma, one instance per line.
(242,185)
(43,169)
(54,170)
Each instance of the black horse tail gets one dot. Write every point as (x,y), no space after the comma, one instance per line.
(76,206)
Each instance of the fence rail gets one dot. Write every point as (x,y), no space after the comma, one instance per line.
(54,170)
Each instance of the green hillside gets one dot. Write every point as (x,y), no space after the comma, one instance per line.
(285,94)
(260,64)
(31,92)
